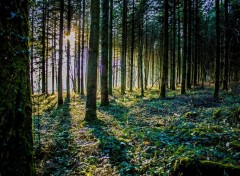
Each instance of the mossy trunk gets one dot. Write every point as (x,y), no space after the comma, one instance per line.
(16,142)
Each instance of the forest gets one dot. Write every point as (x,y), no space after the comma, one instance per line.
(119,87)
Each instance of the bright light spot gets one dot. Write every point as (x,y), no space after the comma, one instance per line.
(71,38)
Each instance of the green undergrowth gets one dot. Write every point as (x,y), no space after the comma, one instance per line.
(136,135)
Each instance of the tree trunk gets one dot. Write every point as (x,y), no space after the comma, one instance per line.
(196,45)
(173,71)
(132,48)
(79,50)
(124,41)
(110,45)
(47,47)
(32,54)
(43,47)
(104,54)
(16,153)
(82,61)
(68,48)
(217,61)
(184,57)
(226,46)
(164,80)
(60,93)
(93,62)
(189,50)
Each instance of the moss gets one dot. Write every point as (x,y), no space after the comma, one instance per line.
(236,145)
(217,114)
(191,115)
(191,167)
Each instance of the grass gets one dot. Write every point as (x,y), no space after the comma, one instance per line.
(135,135)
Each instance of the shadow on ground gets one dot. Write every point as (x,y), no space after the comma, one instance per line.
(55,152)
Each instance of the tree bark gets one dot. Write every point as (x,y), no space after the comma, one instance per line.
(16,152)
(82,61)
(164,80)
(124,42)
(184,57)
(217,61)
(132,47)
(226,46)
(110,45)
(68,48)
(93,62)
(104,54)
(60,93)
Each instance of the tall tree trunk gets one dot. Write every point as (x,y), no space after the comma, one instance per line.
(104,53)
(110,45)
(47,48)
(173,71)
(124,42)
(217,61)
(140,55)
(146,61)
(132,48)
(164,80)
(68,48)
(184,57)
(43,46)
(93,62)
(189,50)
(79,49)
(152,53)
(179,45)
(53,55)
(196,45)
(226,46)
(60,93)
(82,61)
(16,153)
(32,54)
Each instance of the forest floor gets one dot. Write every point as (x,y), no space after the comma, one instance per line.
(135,135)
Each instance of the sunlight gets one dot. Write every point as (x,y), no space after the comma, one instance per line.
(71,38)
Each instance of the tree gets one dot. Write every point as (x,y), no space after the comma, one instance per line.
(173,67)
(124,46)
(60,94)
(83,33)
(164,80)
(68,48)
(104,53)
(226,46)
(195,75)
(110,47)
(132,46)
(79,49)
(43,46)
(184,57)
(16,153)
(217,60)
(189,50)
(92,62)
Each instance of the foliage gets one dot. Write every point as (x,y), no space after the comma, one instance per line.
(137,135)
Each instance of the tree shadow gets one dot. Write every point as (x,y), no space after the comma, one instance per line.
(116,150)
(55,156)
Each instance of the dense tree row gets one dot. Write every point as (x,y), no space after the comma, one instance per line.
(84,45)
